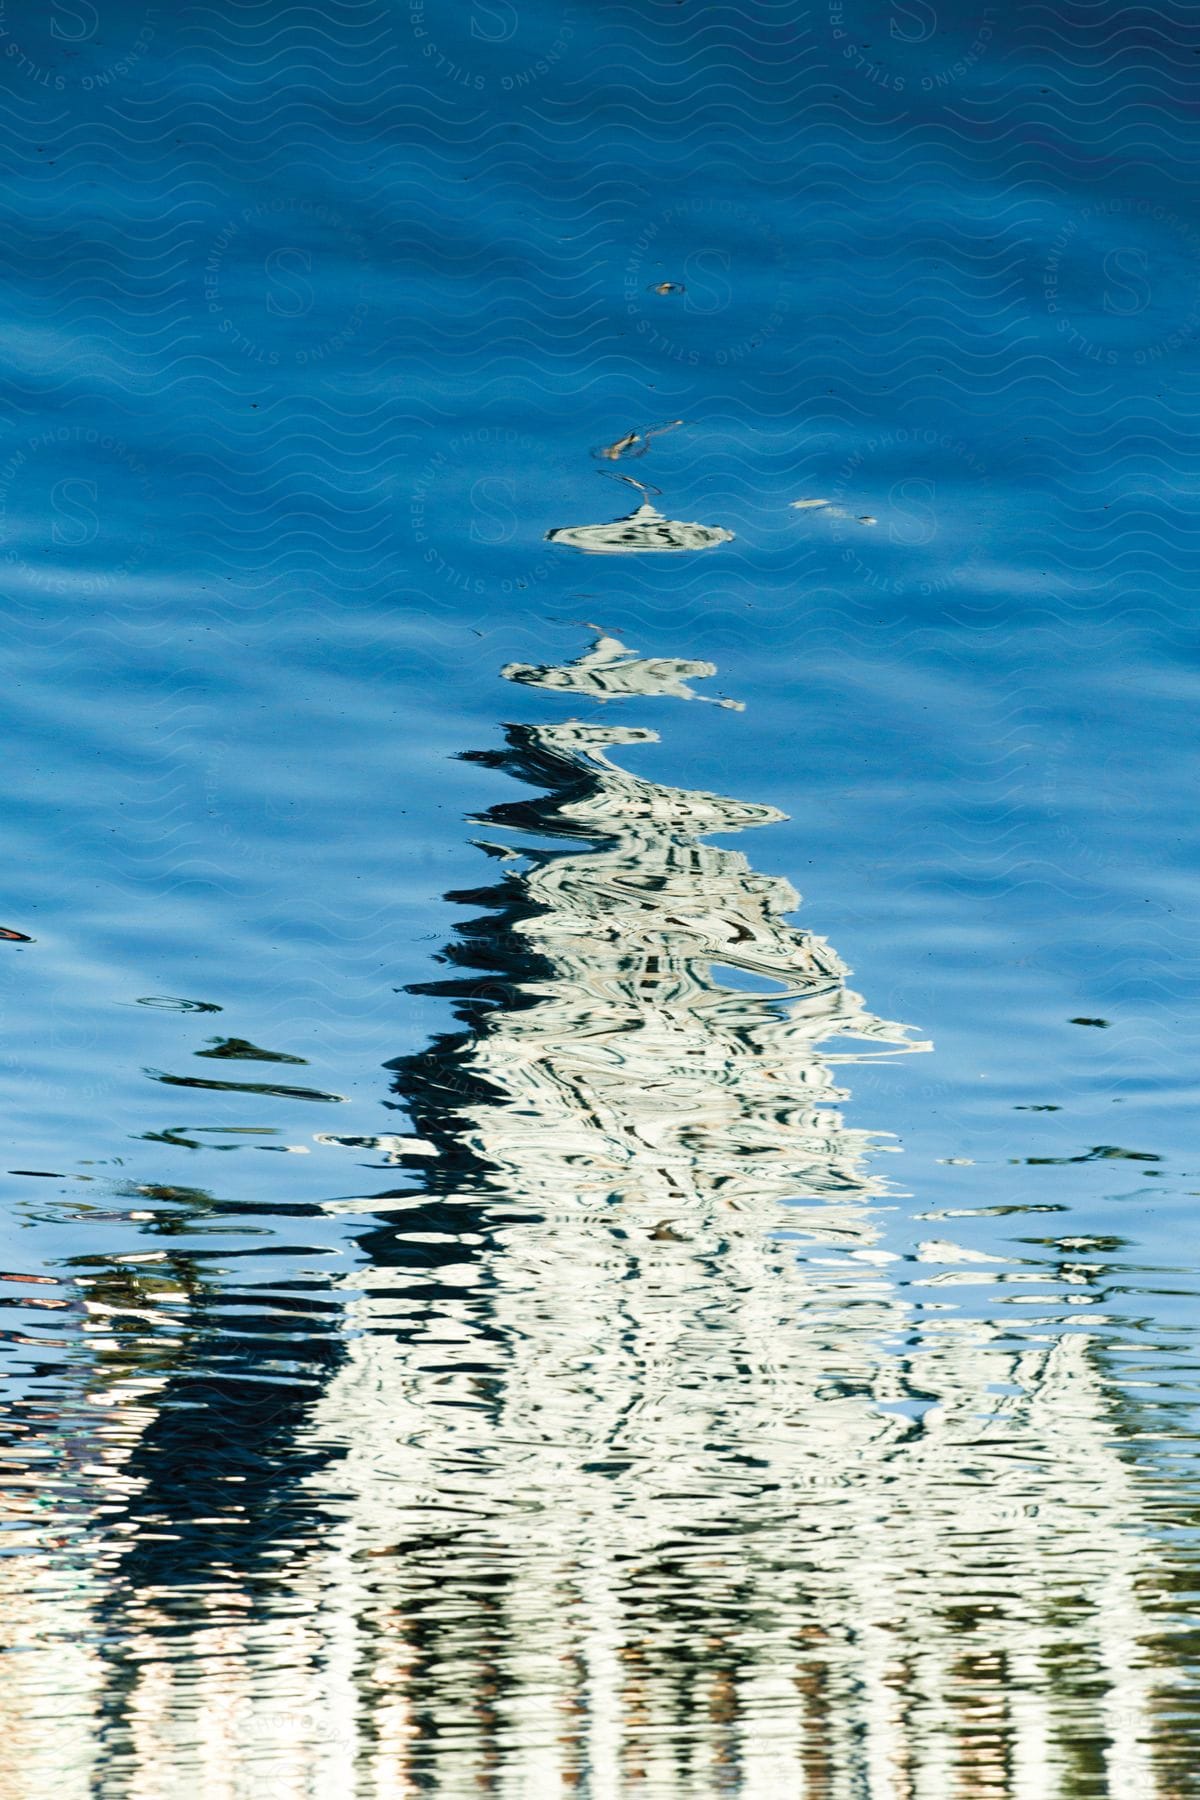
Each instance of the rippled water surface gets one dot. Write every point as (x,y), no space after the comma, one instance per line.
(687,1339)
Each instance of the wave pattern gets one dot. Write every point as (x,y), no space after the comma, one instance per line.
(560,1462)
(628,1458)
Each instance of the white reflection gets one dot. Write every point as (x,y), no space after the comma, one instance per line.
(654,1472)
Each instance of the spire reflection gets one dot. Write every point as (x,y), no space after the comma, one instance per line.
(667,1477)
(629,1460)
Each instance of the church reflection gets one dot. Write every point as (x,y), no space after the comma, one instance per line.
(630,1461)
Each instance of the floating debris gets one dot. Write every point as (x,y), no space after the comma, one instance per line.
(666,287)
(867,519)
(241,1050)
(610,670)
(634,443)
(1100,1024)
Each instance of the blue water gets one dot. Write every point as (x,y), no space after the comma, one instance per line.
(313,320)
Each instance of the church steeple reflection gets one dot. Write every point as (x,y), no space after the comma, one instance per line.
(641,1024)
(651,1443)
(629,1459)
